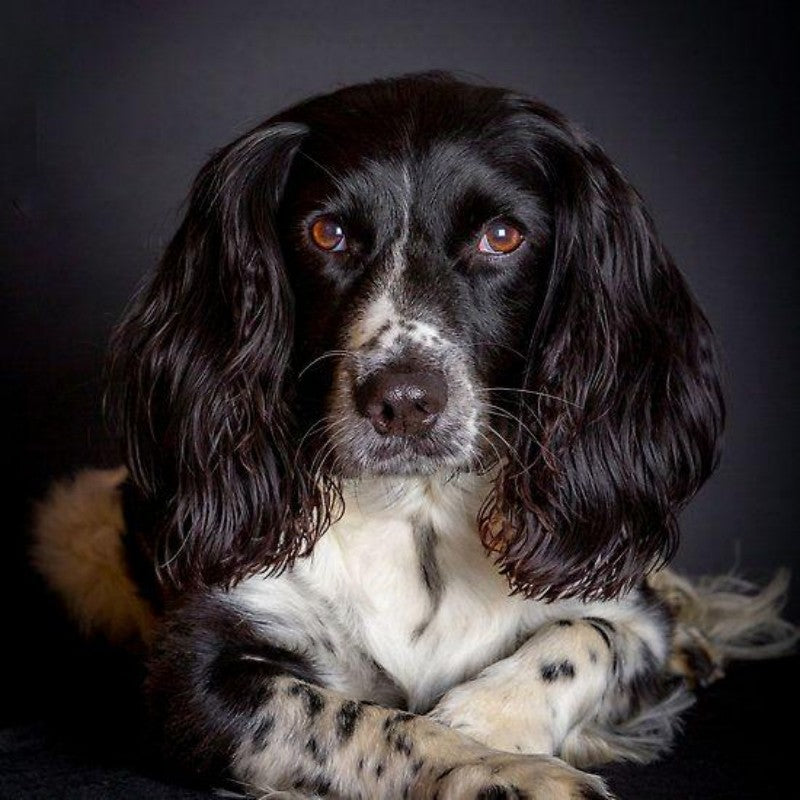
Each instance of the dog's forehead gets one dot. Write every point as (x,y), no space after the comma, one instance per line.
(413,133)
(389,176)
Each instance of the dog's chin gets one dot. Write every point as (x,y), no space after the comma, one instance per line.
(403,458)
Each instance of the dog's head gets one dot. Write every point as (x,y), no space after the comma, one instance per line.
(418,276)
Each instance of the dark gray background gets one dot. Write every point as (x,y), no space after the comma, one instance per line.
(114,106)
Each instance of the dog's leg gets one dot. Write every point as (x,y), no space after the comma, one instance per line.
(573,685)
(229,703)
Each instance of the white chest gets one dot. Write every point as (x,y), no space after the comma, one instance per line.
(410,584)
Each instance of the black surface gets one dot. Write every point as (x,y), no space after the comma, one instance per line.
(738,742)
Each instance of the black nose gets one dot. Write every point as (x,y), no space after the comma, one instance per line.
(401,403)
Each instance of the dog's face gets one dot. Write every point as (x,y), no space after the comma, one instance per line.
(416,256)
(418,277)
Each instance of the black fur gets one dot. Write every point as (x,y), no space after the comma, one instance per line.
(604,628)
(560,670)
(210,677)
(347,719)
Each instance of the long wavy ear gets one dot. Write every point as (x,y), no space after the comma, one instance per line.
(621,389)
(199,376)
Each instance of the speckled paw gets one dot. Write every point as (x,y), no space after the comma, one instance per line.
(512,777)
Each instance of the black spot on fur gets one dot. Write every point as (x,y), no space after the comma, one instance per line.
(417,766)
(373,340)
(593,656)
(379,769)
(371,343)
(425,539)
(360,764)
(313,699)
(400,716)
(442,775)
(553,671)
(321,787)
(347,719)
(262,732)
(316,751)
(564,623)
(604,628)
(403,745)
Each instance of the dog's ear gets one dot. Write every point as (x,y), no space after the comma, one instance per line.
(199,375)
(621,388)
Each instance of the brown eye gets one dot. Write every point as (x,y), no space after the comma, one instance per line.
(500,238)
(328,234)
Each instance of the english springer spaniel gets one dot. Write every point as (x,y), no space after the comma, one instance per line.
(409,409)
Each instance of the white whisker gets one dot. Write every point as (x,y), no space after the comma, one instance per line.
(489,389)
(326,354)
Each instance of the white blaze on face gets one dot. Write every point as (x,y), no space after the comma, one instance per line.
(379,324)
(389,329)
(379,317)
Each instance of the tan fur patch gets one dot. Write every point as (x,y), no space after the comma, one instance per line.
(77,547)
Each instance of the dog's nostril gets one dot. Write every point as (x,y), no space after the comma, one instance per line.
(402,403)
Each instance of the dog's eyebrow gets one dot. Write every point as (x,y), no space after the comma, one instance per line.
(479,206)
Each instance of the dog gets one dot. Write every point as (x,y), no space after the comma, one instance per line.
(409,409)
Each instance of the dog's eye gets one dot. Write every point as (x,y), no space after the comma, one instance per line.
(500,238)
(328,234)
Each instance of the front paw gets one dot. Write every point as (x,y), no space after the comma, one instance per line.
(503,776)
(506,733)
(483,714)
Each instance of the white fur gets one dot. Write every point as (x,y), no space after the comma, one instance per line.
(363,579)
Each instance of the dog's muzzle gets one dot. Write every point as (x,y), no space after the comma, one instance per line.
(403,401)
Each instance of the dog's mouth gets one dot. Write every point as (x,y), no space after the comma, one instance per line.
(363,454)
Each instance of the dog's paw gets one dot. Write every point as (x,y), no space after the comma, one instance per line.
(695,658)
(502,776)
(466,712)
